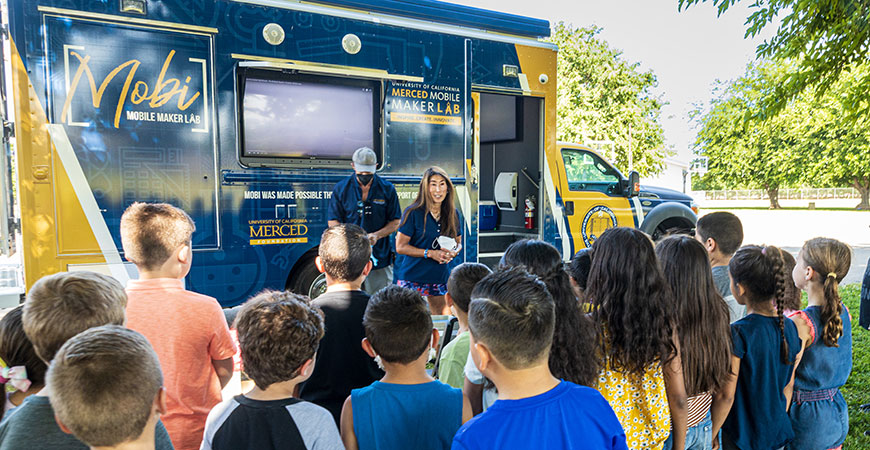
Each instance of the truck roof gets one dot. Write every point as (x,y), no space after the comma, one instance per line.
(452,14)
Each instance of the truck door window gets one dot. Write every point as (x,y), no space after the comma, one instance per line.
(588,172)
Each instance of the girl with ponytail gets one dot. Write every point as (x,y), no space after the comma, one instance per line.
(819,415)
(765,350)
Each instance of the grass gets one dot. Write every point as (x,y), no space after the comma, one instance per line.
(857,389)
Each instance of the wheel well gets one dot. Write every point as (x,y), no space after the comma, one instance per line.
(300,263)
(673,225)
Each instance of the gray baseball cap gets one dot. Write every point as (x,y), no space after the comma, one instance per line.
(365,160)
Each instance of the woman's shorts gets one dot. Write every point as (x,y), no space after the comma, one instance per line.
(425,289)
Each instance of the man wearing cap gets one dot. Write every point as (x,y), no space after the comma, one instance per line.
(371,202)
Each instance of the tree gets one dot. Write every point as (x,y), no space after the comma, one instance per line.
(811,142)
(746,151)
(842,147)
(603,97)
(827,38)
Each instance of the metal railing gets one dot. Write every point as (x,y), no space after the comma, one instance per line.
(784,194)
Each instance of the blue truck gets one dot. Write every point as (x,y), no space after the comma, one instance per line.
(245,113)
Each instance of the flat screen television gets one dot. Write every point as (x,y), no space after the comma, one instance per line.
(290,119)
(500,118)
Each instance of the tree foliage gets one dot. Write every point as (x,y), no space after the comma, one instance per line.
(601,96)
(828,38)
(811,142)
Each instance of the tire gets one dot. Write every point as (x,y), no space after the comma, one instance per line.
(307,280)
(671,227)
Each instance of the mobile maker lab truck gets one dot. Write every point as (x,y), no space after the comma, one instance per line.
(245,113)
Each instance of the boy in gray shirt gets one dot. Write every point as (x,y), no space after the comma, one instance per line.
(722,234)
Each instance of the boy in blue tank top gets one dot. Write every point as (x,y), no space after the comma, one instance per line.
(511,318)
(407,408)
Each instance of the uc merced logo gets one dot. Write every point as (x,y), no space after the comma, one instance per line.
(596,221)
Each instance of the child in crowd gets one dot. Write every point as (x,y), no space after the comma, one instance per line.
(765,348)
(278,333)
(819,416)
(579,271)
(722,233)
(703,331)
(791,301)
(642,374)
(864,319)
(407,408)
(574,335)
(455,353)
(107,388)
(157,238)
(22,373)
(59,307)
(512,321)
(341,365)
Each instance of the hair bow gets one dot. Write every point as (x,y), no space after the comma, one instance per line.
(14,377)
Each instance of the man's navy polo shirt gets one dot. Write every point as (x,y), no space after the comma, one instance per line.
(381,207)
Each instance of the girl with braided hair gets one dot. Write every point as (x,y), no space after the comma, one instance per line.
(765,350)
(819,415)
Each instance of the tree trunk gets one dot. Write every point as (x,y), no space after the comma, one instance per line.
(863,186)
(773,195)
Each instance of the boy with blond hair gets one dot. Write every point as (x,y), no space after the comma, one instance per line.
(107,388)
(407,408)
(511,318)
(59,307)
(278,333)
(187,330)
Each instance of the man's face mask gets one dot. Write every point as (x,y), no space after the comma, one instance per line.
(364,178)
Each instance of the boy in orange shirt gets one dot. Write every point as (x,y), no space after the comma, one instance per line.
(187,330)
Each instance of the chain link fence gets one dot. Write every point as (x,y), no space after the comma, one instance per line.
(784,194)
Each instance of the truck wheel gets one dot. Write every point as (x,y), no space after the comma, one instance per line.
(308,280)
(671,227)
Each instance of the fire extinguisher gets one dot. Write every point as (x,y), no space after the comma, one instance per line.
(530,212)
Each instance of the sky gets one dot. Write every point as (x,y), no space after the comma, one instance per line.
(688,51)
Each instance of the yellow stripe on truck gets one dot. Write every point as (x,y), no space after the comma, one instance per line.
(43,186)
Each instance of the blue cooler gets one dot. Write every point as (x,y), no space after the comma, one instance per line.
(488,218)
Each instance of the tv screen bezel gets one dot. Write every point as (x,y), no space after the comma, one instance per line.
(311,162)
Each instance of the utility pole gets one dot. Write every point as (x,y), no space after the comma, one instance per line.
(630,156)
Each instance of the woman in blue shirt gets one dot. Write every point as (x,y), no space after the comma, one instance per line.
(423,263)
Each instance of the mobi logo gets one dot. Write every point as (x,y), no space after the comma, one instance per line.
(173,94)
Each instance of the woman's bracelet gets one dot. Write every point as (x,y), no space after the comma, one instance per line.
(426,253)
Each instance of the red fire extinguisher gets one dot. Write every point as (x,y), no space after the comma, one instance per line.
(530,212)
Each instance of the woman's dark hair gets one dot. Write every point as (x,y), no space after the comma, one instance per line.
(580,265)
(572,356)
(792,300)
(448,220)
(831,259)
(701,317)
(761,272)
(16,349)
(631,301)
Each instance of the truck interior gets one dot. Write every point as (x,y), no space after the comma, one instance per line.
(511,158)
